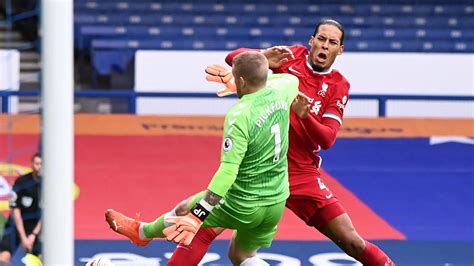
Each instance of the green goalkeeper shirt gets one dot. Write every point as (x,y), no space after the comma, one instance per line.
(254,168)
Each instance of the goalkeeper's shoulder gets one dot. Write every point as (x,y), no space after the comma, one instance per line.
(285,82)
(282,77)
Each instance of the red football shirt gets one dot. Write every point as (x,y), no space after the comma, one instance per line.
(329,92)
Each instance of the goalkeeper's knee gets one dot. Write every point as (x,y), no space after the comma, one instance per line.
(254,261)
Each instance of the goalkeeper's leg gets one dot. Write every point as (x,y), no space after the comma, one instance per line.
(142,233)
(246,241)
(244,257)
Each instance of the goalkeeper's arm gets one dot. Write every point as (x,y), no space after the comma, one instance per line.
(186,227)
(220,184)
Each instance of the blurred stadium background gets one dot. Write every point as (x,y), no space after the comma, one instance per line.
(146,123)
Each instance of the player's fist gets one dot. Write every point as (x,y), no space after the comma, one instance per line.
(301,105)
(223,75)
(183,228)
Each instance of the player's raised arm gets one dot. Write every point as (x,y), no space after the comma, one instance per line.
(276,55)
(230,57)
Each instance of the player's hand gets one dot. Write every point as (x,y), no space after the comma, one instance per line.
(301,105)
(278,55)
(31,238)
(223,75)
(183,230)
(27,243)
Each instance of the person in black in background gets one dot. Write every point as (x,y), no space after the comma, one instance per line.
(23,225)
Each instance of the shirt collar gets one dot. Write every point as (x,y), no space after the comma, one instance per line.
(308,64)
(255,94)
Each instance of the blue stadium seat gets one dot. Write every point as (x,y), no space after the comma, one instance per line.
(87,33)
(109,27)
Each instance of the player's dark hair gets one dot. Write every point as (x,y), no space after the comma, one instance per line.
(330,22)
(36,155)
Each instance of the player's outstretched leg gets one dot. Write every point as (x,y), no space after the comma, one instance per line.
(342,232)
(125,226)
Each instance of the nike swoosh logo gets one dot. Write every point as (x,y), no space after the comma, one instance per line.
(293,70)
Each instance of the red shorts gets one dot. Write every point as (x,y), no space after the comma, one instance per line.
(311,200)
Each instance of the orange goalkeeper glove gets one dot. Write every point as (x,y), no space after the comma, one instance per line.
(221,74)
(183,230)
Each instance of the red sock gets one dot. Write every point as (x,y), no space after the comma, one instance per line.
(193,254)
(374,256)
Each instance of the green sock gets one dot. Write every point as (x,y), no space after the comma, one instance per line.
(155,229)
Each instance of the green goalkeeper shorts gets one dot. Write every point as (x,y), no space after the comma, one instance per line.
(254,227)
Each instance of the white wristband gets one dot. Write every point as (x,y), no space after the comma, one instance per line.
(206,205)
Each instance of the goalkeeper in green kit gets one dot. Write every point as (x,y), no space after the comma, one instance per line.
(249,190)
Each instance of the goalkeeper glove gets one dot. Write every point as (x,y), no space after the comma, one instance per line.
(220,74)
(184,228)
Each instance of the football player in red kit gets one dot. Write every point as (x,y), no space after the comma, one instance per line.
(313,202)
